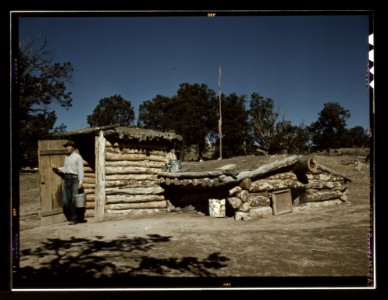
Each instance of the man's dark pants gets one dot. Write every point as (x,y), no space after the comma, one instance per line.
(69,190)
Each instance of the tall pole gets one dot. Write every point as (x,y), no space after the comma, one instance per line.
(220,111)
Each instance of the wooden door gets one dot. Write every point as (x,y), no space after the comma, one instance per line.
(51,152)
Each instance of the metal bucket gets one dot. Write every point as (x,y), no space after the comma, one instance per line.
(80,200)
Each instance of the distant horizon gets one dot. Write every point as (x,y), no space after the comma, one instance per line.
(300,62)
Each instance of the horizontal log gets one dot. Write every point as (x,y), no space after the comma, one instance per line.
(283,176)
(130,183)
(135,191)
(85,163)
(320,196)
(124,206)
(112,150)
(88,185)
(186,182)
(140,163)
(129,212)
(200,182)
(130,170)
(114,177)
(89,175)
(90,205)
(89,191)
(324,203)
(134,157)
(90,180)
(283,165)
(89,213)
(260,212)
(326,169)
(319,185)
(273,185)
(259,200)
(190,174)
(128,149)
(133,198)
(342,189)
(90,197)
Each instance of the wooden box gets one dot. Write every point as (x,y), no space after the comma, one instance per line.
(281,202)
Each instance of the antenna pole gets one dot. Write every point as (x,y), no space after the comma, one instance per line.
(220,111)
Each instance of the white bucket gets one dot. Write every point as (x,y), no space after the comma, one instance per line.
(217,208)
(80,200)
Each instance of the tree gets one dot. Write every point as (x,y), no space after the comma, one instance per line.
(292,138)
(330,129)
(234,126)
(195,108)
(61,128)
(262,120)
(156,114)
(112,110)
(359,137)
(191,113)
(39,82)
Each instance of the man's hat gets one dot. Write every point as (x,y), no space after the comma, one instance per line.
(69,143)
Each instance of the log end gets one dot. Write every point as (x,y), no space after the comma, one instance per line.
(312,165)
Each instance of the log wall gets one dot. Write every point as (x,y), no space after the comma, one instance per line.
(131,185)
(254,199)
(89,185)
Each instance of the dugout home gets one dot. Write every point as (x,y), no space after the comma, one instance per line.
(125,175)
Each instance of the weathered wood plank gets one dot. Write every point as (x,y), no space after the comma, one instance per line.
(100,177)
(53,152)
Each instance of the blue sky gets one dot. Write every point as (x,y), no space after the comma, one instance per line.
(301,62)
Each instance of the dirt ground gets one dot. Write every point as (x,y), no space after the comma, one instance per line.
(315,247)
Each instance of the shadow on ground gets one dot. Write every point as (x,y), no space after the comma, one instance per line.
(95,262)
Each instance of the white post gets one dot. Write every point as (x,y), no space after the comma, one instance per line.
(100,177)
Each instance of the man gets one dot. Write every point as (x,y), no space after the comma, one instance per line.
(73,175)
